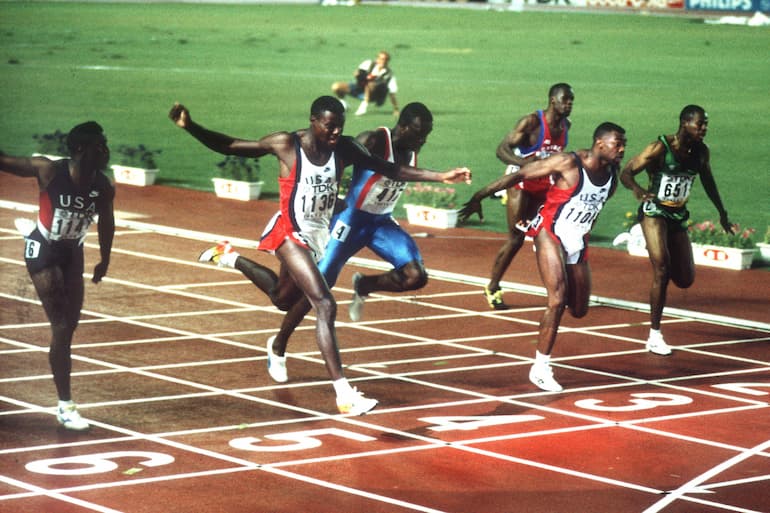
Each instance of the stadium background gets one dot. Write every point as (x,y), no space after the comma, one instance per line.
(252,69)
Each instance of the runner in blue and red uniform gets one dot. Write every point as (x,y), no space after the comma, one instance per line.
(367,221)
(73,192)
(311,163)
(535,136)
(582,182)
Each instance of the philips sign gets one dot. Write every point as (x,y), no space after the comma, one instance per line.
(724,5)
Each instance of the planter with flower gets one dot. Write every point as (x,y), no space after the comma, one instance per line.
(137,165)
(431,205)
(711,245)
(52,145)
(764,248)
(238,179)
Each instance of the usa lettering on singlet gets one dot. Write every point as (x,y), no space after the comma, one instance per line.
(66,212)
(376,193)
(575,210)
(309,203)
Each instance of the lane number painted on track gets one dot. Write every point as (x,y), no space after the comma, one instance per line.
(472,423)
(300,440)
(95,463)
(641,401)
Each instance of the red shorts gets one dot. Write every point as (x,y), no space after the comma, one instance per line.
(279,229)
(276,233)
(537,187)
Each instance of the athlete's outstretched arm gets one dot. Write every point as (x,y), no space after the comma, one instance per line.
(226,144)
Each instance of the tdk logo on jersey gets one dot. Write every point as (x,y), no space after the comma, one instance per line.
(321,184)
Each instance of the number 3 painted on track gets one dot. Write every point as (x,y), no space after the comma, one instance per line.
(643,401)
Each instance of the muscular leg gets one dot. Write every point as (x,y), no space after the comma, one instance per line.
(655,232)
(263,277)
(578,288)
(282,290)
(291,320)
(61,293)
(411,276)
(304,272)
(550,262)
(516,207)
(680,255)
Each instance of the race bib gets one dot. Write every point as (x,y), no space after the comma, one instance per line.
(382,197)
(68,225)
(340,231)
(674,190)
(31,249)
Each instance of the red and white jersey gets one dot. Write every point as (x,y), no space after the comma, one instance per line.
(373,192)
(307,198)
(544,147)
(569,214)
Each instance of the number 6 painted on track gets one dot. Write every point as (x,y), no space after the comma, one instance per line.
(644,401)
(95,463)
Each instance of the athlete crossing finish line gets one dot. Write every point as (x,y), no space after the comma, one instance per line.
(311,162)
(583,181)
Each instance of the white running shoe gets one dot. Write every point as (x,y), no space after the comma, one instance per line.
(355,403)
(656,344)
(24,226)
(542,376)
(356,307)
(361,109)
(69,417)
(276,365)
(215,253)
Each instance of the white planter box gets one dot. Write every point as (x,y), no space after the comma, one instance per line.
(429,216)
(712,256)
(764,252)
(718,256)
(134,175)
(233,189)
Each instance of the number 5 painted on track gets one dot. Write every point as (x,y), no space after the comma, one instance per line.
(302,440)
(643,401)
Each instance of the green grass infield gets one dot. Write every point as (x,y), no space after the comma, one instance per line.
(249,70)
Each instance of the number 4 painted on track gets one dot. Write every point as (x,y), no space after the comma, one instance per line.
(744,388)
(471,423)
(302,440)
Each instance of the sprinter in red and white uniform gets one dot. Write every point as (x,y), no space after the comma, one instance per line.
(582,183)
(535,136)
(310,163)
(73,192)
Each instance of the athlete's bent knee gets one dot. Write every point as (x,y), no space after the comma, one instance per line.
(412,276)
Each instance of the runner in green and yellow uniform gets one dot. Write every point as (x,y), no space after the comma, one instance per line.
(672,163)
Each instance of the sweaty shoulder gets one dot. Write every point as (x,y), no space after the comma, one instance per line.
(530,122)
